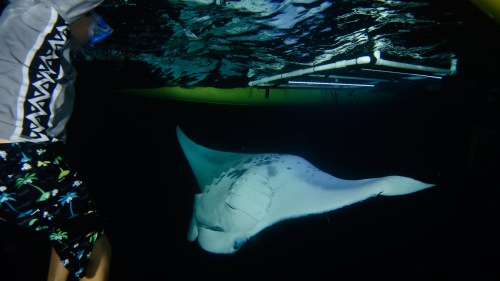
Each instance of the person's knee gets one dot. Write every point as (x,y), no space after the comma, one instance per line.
(99,262)
(101,250)
(106,246)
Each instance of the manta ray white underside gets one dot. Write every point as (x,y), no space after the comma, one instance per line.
(241,194)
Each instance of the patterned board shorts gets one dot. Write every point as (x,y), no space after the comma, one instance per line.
(40,192)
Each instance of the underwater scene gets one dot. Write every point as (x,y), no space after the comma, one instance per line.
(340,90)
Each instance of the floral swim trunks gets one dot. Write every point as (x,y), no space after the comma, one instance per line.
(40,192)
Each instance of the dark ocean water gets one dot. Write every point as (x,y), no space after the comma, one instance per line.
(126,148)
(230,43)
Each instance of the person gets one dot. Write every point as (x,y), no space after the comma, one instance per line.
(38,190)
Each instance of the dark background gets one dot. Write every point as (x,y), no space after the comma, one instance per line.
(126,149)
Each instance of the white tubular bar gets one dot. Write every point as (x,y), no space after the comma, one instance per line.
(339,64)
(360,60)
(411,66)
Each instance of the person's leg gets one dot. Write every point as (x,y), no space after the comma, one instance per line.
(98,266)
(57,272)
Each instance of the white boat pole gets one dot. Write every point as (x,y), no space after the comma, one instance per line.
(360,60)
(339,64)
(395,64)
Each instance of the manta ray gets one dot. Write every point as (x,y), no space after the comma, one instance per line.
(241,194)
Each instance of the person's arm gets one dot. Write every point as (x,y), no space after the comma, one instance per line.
(36,75)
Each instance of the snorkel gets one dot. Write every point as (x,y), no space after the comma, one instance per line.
(96,32)
(100,29)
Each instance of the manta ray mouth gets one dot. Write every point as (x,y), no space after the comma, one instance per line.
(213,228)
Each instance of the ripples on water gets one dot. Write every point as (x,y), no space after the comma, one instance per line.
(228,43)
